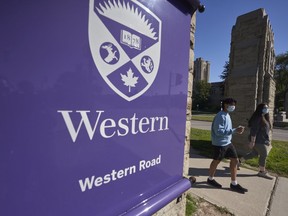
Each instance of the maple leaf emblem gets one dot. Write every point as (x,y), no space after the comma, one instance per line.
(129,79)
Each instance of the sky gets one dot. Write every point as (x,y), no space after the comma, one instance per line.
(214,26)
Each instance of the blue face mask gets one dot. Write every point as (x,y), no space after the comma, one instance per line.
(265,111)
(230,108)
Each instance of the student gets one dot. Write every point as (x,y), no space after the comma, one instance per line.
(260,127)
(221,136)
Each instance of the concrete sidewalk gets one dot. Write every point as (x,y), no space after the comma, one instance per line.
(265,197)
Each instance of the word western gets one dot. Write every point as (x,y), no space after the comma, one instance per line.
(108,127)
(93,181)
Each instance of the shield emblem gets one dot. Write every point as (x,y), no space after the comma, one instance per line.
(125,42)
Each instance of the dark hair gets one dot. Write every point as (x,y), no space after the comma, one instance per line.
(228,101)
(258,114)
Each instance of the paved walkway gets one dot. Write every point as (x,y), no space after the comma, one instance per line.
(265,197)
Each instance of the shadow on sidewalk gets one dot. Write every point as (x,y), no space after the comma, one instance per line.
(204,172)
(219,172)
(222,171)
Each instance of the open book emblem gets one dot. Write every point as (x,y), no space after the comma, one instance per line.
(125,42)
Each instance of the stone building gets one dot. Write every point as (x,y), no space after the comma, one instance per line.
(252,61)
(202,73)
(201,70)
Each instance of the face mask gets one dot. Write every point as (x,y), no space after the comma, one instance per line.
(265,111)
(230,108)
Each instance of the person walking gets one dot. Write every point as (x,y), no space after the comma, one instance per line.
(221,136)
(260,126)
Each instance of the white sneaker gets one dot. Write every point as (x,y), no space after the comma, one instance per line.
(264,175)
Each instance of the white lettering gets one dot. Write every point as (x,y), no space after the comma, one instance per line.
(153,123)
(145,164)
(84,119)
(98,181)
(105,125)
(107,179)
(161,123)
(123,126)
(88,183)
(143,121)
(108,127)
(131,170)
(133,121)
(120,174)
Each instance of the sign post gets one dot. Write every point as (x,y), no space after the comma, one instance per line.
(92,105)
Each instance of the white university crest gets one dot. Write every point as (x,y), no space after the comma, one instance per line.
(125,42)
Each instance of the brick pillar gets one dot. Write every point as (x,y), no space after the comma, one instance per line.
(251,62)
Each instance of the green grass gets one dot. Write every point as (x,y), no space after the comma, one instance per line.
(200,140)
(191,205)
(206,117)
(277,161)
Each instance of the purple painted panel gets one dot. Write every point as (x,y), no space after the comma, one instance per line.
(92,104)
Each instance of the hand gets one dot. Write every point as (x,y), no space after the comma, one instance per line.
(251,145)
(240,129)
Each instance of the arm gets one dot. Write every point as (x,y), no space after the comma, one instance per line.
(221,128)
(253,139)
(252,142)
(255,126)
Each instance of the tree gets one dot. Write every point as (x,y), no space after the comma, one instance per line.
(201,93)
(225,72)
(281,77)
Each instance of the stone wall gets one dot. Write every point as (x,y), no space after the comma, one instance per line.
(252,61)
(189,96)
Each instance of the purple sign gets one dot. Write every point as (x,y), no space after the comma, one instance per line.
(92,106)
